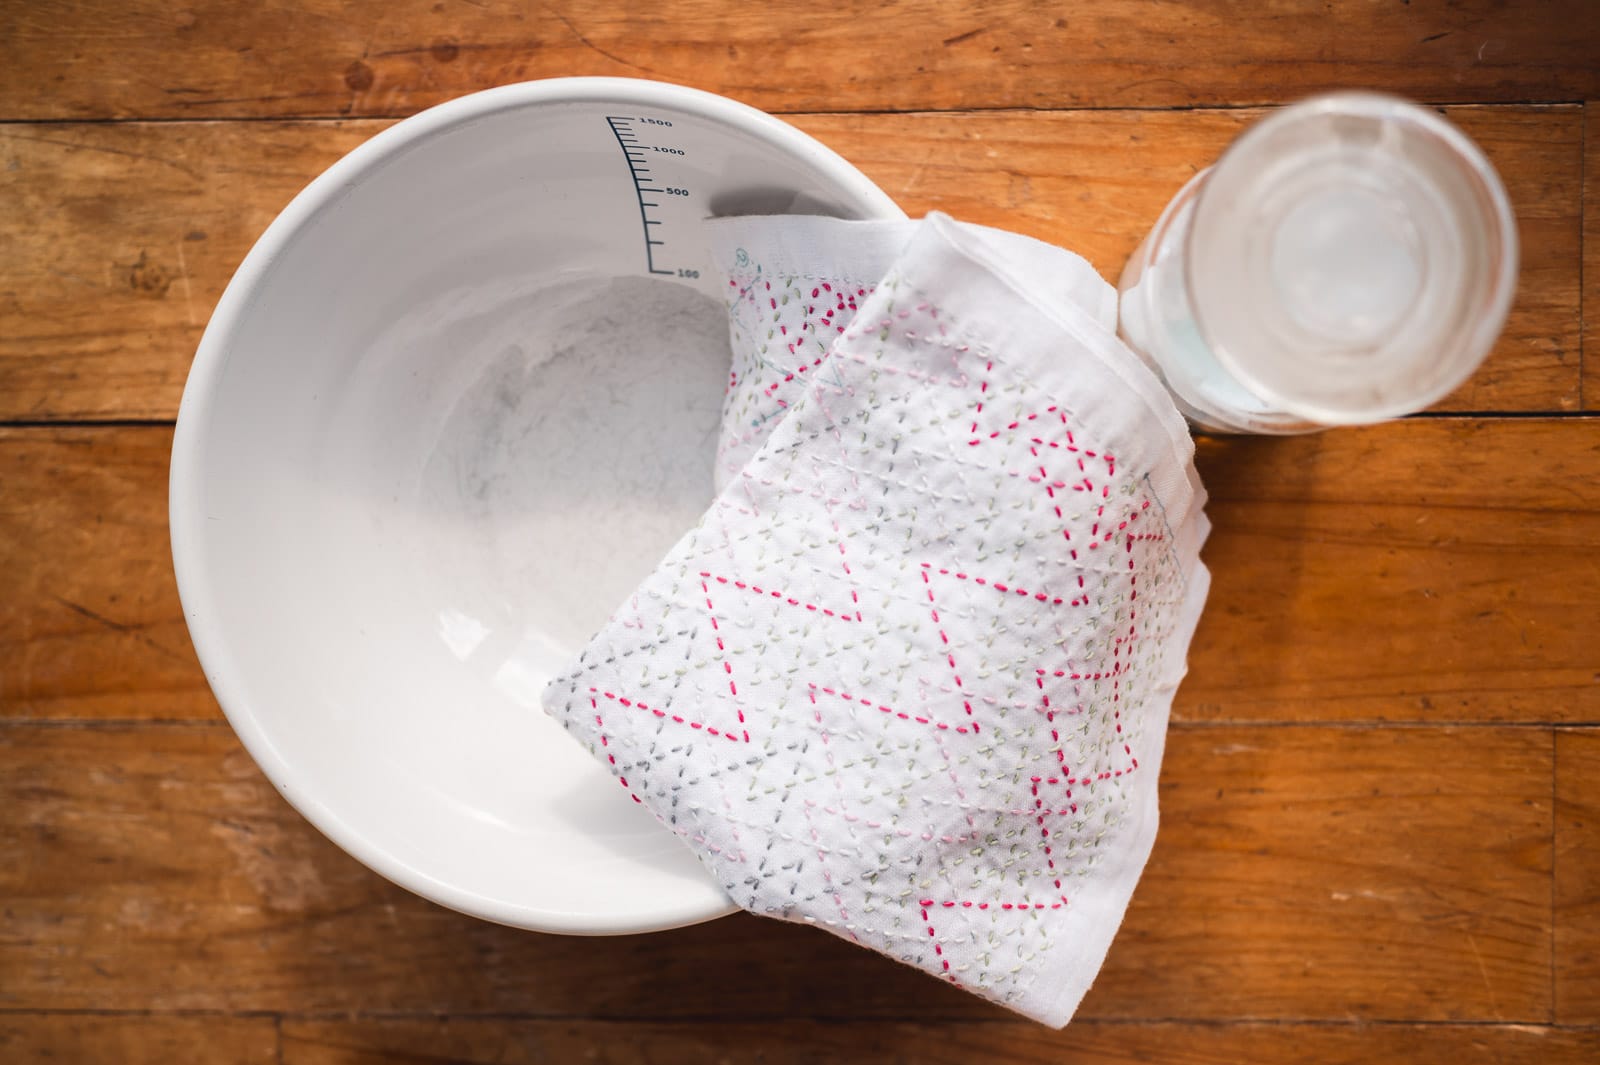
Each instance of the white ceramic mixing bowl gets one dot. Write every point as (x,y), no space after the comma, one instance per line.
(428,444)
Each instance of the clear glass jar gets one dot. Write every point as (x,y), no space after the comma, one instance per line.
(1349,259)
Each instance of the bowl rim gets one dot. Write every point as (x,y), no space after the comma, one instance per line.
(186,519)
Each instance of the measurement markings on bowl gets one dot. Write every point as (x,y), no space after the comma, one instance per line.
(651,167)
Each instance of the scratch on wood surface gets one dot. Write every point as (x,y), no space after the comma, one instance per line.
(587,43)
(916,176)
(1483,970)
(188,292)
(119,626)
(958,38)
(195,174)
(1346,896)
(273,860)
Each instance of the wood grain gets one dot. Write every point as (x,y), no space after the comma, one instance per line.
(376,1042)
(1346,866)
(90,624)
(1590,270)
(1577,877)
(26,1039)
(210,58)
(124,235)
(1431,570)
(1329,874)
(1390,573)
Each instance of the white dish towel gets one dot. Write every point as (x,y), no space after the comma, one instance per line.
(909,677)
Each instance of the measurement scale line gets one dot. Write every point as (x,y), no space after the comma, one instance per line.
(639,189)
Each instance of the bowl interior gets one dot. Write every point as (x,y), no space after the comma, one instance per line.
(446,417)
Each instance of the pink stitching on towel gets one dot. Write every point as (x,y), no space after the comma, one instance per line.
(727,667)
(950,657)
(710,730)
(604,742)
(891,711)
(756,589)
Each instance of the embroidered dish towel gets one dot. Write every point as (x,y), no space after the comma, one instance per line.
(908,679)
(796,281)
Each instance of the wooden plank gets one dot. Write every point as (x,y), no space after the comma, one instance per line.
(1577,876)
(1536,363)
(1430,570)
(1591,256)
(931,1042)
(368,57)
(1346,860)
(90,624)
(124,235)
(1411,571)
(1301,874)
(137,1040)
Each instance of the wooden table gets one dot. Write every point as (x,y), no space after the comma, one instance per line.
(1382,795)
